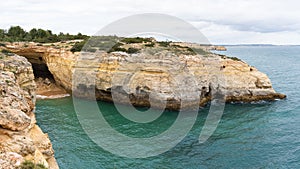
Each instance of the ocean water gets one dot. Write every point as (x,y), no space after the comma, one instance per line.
(259,135)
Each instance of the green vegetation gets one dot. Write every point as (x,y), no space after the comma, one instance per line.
(178,46)
(178,49)
(17,34)
(91,44)
(198,51)
(118,48)
(77,46)
(234,58)
(228,57)
(31,165)
(132,50)
(164,43)
(102,43)
(222,56)
(7,52)
(136,40)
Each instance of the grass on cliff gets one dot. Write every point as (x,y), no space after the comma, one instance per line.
(77,46)
(117,44)
(229,57)
(136,40)
(118,48)
(234,58)
(164,43)
(31,165)
(178,49)
(102,43)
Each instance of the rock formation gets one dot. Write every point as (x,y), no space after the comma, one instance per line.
(20,138)
(151,70)
(218,48)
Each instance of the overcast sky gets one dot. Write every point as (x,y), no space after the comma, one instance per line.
(221,21)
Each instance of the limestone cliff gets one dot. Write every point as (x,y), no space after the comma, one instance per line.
(20,138)
(150,68)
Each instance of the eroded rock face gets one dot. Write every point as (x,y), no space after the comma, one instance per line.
(59,61)
(20,138)
(161,76)
(172,78)
(10,160)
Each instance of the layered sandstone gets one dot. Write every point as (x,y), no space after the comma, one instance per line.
(162,74)
(20,138)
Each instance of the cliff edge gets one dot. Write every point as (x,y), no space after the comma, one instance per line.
(150,67)
(20,138)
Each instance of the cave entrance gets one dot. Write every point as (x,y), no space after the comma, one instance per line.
(40,70)
(44,79)
(39,66)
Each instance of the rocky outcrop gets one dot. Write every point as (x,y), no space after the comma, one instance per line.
(57,59)
(163,72)
(141,75)
(218,48)
(20,138)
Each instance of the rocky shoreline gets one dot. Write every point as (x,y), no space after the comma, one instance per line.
(20,138)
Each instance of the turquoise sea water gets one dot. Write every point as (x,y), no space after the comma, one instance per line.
(260,135)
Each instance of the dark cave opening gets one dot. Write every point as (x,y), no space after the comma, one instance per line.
(39,66)
(46,85)
(40,70)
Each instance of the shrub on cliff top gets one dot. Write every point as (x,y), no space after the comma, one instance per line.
(136,40)
(77,47)
(117,49)
(228,57)
(234,58)
(31,165)
(132,50)
(164,43)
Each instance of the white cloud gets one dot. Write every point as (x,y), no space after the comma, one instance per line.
(222,21)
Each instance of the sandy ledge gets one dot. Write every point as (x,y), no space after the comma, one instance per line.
(47,89)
